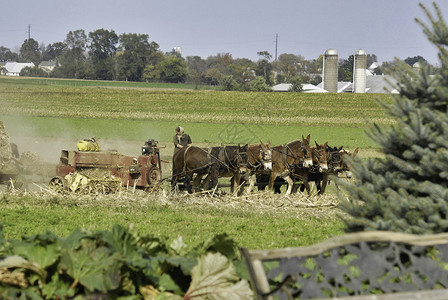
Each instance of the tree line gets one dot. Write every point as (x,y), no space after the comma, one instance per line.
(104,55)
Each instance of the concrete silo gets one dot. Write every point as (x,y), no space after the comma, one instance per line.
(330,71)
(359,72)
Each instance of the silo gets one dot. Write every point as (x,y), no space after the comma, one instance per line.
(330,71)
(359,72)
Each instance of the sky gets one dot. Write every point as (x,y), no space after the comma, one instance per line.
(386,28)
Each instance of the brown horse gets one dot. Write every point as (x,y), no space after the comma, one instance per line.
(213,162)
(291,160)
(336,165)
(259,160)
(232,162)
(192,160)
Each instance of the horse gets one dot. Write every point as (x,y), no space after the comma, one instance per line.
(305,175)
(291,159)
(259,159)
(336,164)
(191,160)
(214,162)
(232,162)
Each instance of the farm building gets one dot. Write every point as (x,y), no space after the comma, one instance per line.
(375,84)
(12,68)
(47,65)
(306,88)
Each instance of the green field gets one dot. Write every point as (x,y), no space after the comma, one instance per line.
(53,109)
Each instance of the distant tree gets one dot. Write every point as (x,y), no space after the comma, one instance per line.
(378,71)
(412,60)
(73,59)
(103,46)
(257,85)
(227,83)
(242,70)
(217,67)
(173,69)
(371,58)
(296,84)
(151,73)
(345,69)
(53,51)
(406,190)
(196,70)
(29,52)
(7,55)
(315,80)
(289,65)
(33,72)
(135,54)
(264,67)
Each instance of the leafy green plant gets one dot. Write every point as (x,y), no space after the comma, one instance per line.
(119,263)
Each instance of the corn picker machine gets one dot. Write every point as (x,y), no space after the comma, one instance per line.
(89,170)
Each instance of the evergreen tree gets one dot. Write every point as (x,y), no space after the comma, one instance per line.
(407,190)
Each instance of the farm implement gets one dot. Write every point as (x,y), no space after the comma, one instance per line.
(95,171)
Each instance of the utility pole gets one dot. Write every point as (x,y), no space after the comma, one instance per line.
(29,31)
(276,45)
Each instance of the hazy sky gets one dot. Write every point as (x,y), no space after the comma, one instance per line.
(241,27)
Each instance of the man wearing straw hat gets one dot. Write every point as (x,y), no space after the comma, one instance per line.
(181,139)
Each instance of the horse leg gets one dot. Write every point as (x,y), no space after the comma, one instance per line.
(213,178)
(197,182)
(272,181)
(187,183)
(290,183)
(318,187)
(295,186)
(173,183)
(306,183)
(238,181)
(251,179)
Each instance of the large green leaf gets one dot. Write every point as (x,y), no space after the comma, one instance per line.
(179,246)
(57,288)
(16,261)
(123,242)
(96,268)
(215,277)
(44,256)
(219,243)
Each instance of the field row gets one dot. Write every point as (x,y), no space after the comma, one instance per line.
(329,110)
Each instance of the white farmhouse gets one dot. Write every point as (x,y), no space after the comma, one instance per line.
(12,68)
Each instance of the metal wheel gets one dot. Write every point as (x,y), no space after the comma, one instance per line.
(57,184)
(153,176)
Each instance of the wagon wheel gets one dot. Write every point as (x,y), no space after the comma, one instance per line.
(153,176)
(57,184)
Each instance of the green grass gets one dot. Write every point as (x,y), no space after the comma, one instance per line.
(297,109)
(24,216)
(163,131)
(100,83)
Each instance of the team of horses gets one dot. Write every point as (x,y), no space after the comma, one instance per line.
(296,163)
